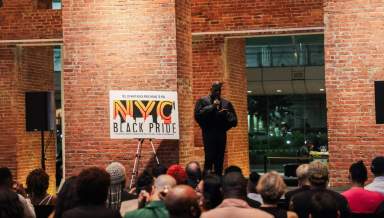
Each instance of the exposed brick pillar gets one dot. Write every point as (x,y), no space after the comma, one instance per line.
(208,66)
(7,104)
(184,80)
(35,73)
(235,81)
(354,49)
(215,58)
(121,45)
(23,70)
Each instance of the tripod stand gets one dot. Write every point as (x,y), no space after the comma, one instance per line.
(136,164)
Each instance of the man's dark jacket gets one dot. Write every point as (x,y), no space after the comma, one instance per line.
(213,123)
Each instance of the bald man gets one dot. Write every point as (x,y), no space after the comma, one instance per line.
(155,207)
(182,202)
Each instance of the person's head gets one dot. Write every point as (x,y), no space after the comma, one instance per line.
(10,205)
(92,186)
(161,187)
(117,172)
(193,171)
(5,177)
(37,183)
(377,166)
(234,186)
(216,89)
(322,205)
(252,182)
(302,174)
(358,173)
(177,171)
(271,187)
(159,170)
(182,201)
(211,192)
(67,197)
(144,182)
(232,168)
(318,174)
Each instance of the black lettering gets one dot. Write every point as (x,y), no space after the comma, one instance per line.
(174,128)
(115,129)
(134,127)
(128,128)
(150,127)
(141,127)
(157,127)
(168,128)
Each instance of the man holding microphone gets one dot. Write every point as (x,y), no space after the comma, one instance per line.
(215,116)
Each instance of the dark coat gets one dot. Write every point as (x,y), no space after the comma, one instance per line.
(213,122)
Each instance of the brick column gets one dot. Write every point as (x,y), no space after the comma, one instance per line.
(121,45)
(23,70)
(215,58)
(354,49)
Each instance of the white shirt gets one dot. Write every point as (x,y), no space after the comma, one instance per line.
(29,211)
(377,185)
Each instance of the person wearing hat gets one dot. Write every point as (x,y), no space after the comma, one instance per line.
(215,116)
(116,191)
(318,178)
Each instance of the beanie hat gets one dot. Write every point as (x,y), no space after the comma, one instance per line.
(117,172)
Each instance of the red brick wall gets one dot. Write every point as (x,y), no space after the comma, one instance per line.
(220,15)
(110,45)
(217,59)
(208,66)
(354,50)
(22,70)
(235,81)
(184,80)
(22,20)
(35,74)
(7,114)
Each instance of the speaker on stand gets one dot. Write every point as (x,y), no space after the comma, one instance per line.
(39,115)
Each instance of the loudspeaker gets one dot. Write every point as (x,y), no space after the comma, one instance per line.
(39,114)
(379,101)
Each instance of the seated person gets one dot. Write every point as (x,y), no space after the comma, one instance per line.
(318,177)
(209,191)
(271,187)
(377,168)
(155,207)
(234,204)
(302,178)
(92,189)
(360,200)
(37,186)
(182,201)
(253,198)
(323,205)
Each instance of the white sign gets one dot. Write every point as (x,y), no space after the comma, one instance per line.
(143,114)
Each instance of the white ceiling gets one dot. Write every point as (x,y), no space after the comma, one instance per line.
(285,80)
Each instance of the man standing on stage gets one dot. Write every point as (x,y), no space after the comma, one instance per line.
(216,116)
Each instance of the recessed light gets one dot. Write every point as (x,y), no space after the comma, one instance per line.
(321,90)
(279,90)
(249,91)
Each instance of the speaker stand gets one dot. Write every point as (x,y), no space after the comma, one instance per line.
(42,150)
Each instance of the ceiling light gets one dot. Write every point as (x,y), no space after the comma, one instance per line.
(279,90)
(249,91)
(321,90)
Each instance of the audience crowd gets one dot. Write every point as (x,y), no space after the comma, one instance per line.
(183,192)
